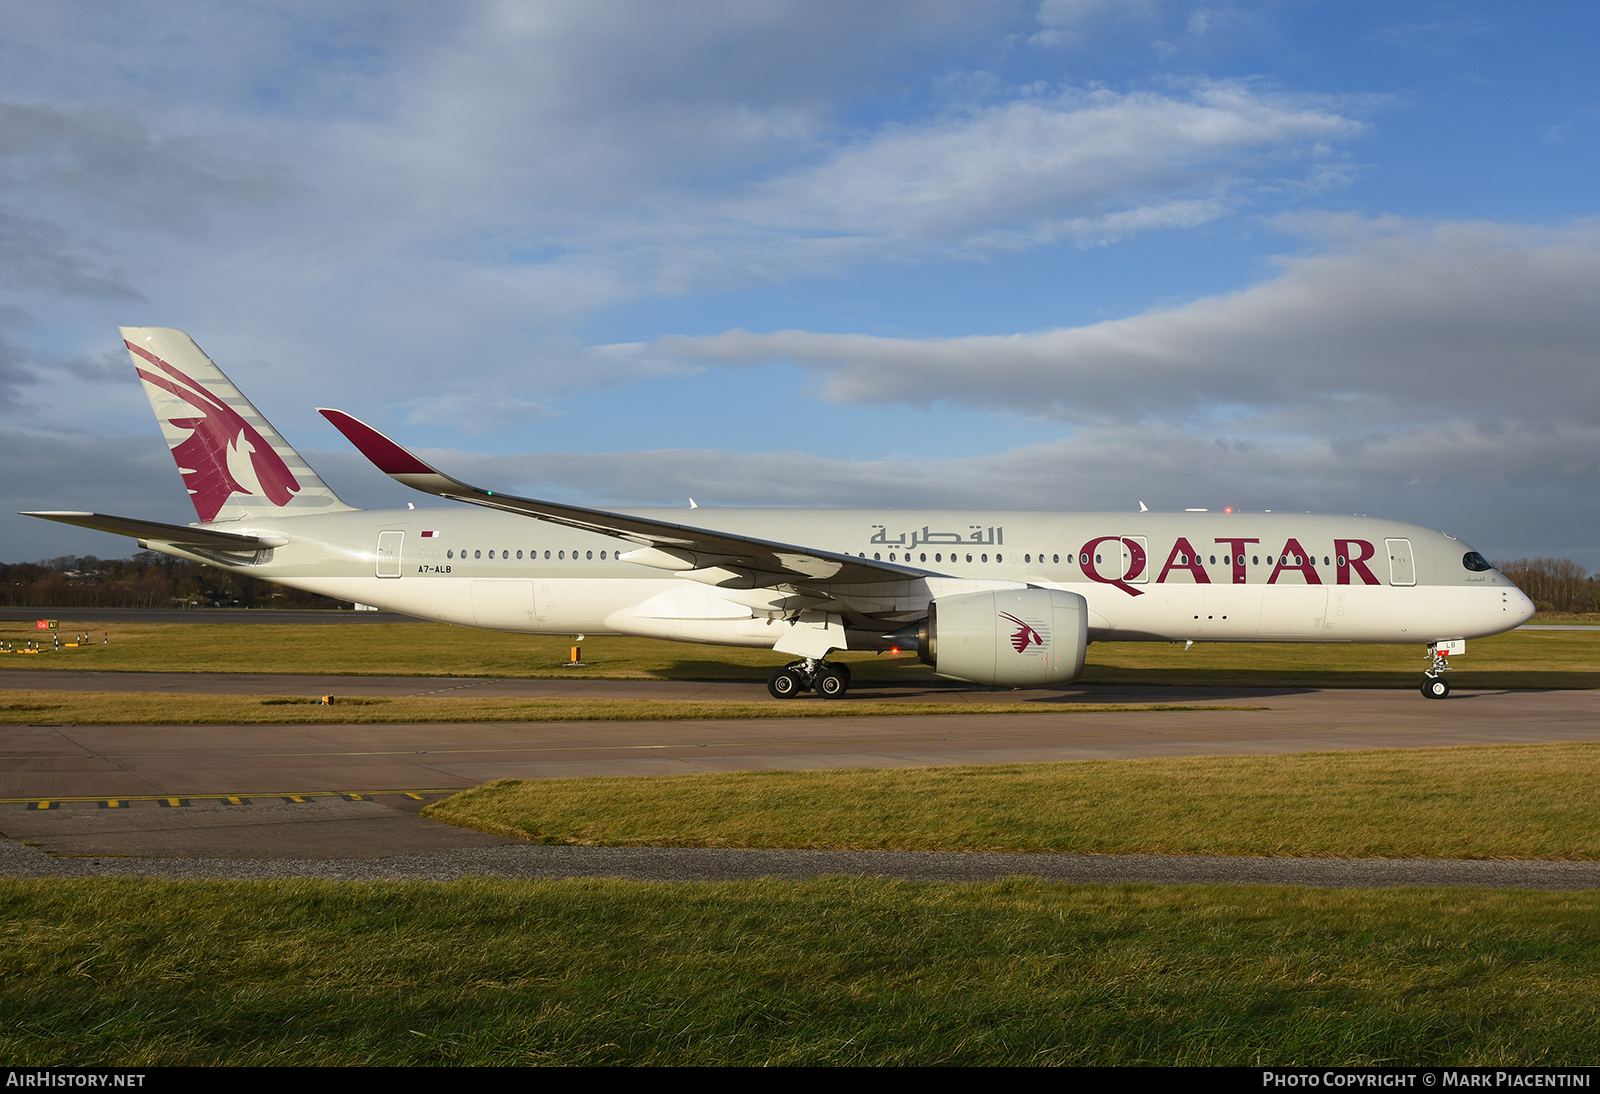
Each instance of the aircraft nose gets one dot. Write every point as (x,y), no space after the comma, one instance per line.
(1522,608)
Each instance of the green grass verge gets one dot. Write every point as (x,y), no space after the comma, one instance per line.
(841,971)
(1502,801)
(30,707)
(1520,659)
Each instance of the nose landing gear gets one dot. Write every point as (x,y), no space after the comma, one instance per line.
(1434,685)
(830,681)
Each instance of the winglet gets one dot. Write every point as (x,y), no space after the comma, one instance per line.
(387,456)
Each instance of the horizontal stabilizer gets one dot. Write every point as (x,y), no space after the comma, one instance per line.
(179,535)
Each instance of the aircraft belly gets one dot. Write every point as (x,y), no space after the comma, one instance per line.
(761,633)
(691,600)
(1292,610)
(504,604)
(582,605)
(683,611)
(445,601)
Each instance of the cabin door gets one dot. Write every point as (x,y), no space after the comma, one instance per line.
(1402,568)
(390,546)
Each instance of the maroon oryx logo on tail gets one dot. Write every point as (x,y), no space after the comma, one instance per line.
(1025,635)
(222,448)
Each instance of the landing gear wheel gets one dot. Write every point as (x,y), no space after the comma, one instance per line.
(1435,687)
(783,684)
(832,684)
(843,670)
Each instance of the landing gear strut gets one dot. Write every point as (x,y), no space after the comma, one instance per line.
(830,681)
(1434,685)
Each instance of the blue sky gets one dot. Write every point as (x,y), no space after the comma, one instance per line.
(1070,255)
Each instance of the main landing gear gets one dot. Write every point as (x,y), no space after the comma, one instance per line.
(1434,685)
(830,681)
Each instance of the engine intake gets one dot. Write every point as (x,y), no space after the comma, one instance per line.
(1013,637)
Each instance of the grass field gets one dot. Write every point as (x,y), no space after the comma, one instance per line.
(1520,659)
(25,706)
(842,971)
(1502,801)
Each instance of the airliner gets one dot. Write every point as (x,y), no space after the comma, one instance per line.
(1002,598)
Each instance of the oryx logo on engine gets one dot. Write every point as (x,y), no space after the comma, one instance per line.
(1025,635)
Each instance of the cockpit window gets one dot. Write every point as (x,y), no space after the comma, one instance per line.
(1472,560)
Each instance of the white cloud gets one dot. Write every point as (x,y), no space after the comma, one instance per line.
(1406,322)
(1067,22)
(1080,164)
(475,415)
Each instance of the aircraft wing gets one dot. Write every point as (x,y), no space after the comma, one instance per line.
(681,546)
(179,535)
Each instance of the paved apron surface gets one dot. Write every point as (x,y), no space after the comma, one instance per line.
(161,792)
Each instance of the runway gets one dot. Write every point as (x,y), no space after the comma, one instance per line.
(161,793)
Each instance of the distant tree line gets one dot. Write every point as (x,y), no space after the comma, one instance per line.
(1554,584)
(147,580)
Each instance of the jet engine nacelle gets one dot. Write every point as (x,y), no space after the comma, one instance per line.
(1014,637)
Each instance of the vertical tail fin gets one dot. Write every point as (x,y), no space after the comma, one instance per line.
(234,463)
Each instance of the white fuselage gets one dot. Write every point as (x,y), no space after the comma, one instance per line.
(1207,577)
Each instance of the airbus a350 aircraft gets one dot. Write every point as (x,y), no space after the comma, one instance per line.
(1010,598)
